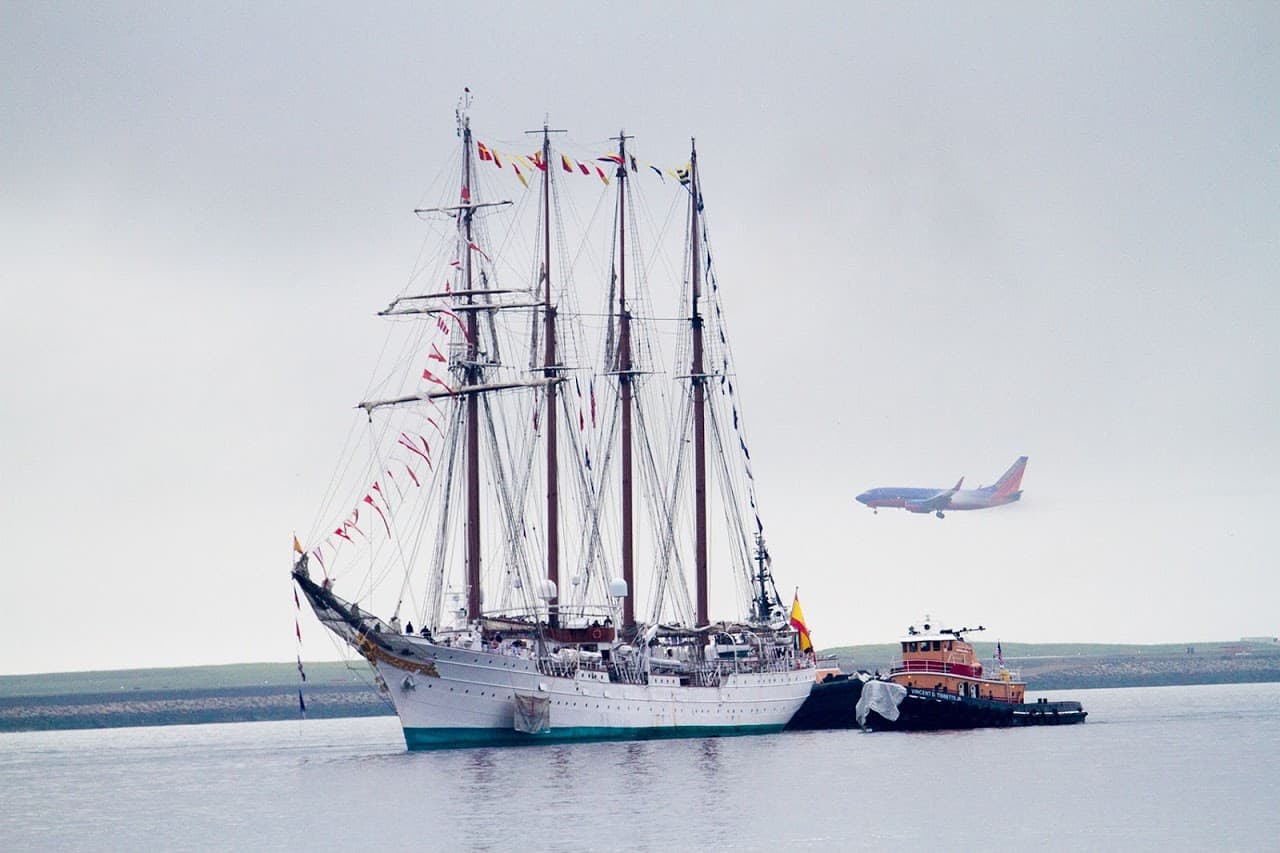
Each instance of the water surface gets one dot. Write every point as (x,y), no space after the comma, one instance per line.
(1164,768)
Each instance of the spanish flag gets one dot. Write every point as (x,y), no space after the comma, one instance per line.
(797,622)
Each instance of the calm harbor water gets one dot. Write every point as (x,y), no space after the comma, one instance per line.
(1169,768)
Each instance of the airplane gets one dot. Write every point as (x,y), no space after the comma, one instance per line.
(1005,491)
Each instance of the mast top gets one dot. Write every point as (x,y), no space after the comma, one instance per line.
(546,128)
(462,113)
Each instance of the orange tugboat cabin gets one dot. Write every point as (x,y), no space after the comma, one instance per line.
(943,661)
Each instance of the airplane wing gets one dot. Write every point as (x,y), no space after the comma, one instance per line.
(935,502)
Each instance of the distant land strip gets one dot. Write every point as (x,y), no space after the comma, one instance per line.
(269,691)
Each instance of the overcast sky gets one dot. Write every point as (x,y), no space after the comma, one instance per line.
(947,235)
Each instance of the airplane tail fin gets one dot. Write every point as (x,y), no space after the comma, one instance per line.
(1011,480)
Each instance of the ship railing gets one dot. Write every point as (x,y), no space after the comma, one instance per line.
(706,676)
(921,666)
(939,667)
(623,673)
(775,665)
(557,668)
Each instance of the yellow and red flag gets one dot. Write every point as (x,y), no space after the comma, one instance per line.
(797,622)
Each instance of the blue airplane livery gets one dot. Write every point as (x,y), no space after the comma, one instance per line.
(1005,491)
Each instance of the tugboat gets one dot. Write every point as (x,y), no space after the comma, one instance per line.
(938,684)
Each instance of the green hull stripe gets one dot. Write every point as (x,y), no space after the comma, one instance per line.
(450,738)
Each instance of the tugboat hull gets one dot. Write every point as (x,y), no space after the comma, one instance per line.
(833,705)
(924,710)
(830,705)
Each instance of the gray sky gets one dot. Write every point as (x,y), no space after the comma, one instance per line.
(953,236)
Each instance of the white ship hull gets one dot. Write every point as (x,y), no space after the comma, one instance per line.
(450,697)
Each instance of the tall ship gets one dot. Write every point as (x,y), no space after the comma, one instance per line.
(528,553)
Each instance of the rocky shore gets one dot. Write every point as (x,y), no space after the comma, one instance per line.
(1148,670)
(175,707)
(1138,666)
(257,692)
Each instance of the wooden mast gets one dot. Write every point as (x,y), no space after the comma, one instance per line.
(698,375)
(549,371)
(625,381)
(471,369)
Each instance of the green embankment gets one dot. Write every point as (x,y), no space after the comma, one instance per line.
(987,651)
(229,676)
(269,691)
(1061,666)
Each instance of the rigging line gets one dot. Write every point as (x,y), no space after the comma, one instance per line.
(588,507)
(360,672)
(347,457)
(532,532)
(732,504)
(648,318)
(379,470)
(594,548)
(500,475)
(329,495)
(433,602)
(718,318)
(397,424)
(661,235)
(681,494)
(586,246)
(647,475)
(668,545)
(663,522)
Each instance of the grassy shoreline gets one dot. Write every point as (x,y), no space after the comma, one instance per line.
(269,691)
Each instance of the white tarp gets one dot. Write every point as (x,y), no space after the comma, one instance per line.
(533,714)
(883,697)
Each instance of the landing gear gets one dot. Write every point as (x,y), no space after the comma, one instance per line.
(939,514)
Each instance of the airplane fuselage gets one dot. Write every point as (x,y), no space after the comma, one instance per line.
(1006,490)
(902,498)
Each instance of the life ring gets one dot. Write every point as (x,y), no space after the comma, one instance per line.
(597,633)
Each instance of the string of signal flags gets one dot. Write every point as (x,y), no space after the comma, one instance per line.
(384,493)
(532,162)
